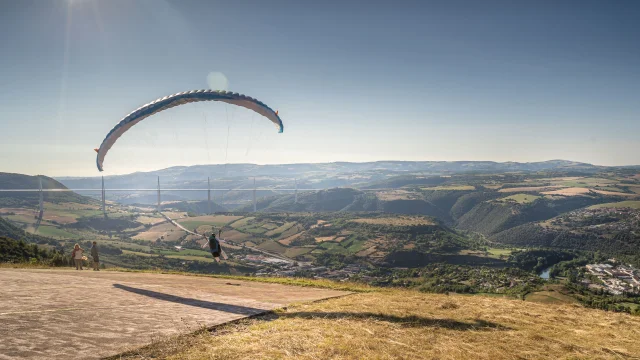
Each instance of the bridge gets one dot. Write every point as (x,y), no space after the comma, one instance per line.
(158,189)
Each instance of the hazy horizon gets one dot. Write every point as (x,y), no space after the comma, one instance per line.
(302,163)
(414,81)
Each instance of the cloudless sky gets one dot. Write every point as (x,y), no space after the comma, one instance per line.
(352,80)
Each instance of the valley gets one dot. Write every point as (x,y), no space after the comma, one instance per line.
(469,232)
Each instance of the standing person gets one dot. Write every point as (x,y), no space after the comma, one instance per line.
(94,255)
(77,256)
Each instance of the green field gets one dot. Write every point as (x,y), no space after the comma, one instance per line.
(297,251)
(494,253)
(281,229)
(498,252)
(56,233)
(356,246)
(194,224)
(255,229)
(631,305)
(185,252)
(125,245)
(129,252)
(241,223)
(271,245)
(520,198)
(332,247)
(190,258)
(621,204)
(586,182)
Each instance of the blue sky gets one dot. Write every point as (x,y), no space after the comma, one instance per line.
(352,80)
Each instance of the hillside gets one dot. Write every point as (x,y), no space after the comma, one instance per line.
(197,207)
(338,237)
(11,231)
(20,199)
(17,251)
(318,201)
(401,324)
(605,227)
(350,200)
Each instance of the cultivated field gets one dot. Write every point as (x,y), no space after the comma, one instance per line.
(396,195)
(621,204)
(215,220)
(573,191)
(520,198)
(529,189)
(166,230)
(396,221)
(287,241)
(614,193)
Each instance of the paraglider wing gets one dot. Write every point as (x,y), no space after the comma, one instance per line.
(178,99)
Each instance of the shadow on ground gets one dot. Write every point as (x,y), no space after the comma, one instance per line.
(211,305)
(408,321)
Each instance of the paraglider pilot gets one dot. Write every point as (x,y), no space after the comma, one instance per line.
(214,244)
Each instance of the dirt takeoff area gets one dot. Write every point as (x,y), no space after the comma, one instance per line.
(68,314)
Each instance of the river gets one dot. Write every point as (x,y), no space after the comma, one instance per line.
(545,273)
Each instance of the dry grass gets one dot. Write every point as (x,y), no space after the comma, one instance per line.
(324,238)
(168,230)
(149,220)
(396,221)
(287,241)
(236,236)
(492,187)
(367,252)
(614,193)
(402,324)
(175,215)
(391,195)
(569,191)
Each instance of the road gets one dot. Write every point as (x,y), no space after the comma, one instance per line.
(69,314)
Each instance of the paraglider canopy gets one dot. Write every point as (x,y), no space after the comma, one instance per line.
(178,99)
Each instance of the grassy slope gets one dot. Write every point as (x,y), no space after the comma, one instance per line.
(403,324)
(13,232)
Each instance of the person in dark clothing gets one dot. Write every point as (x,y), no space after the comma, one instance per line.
(214,245)
(94,255)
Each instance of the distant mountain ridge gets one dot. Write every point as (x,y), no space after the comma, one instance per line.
(197,171)
(196,175)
